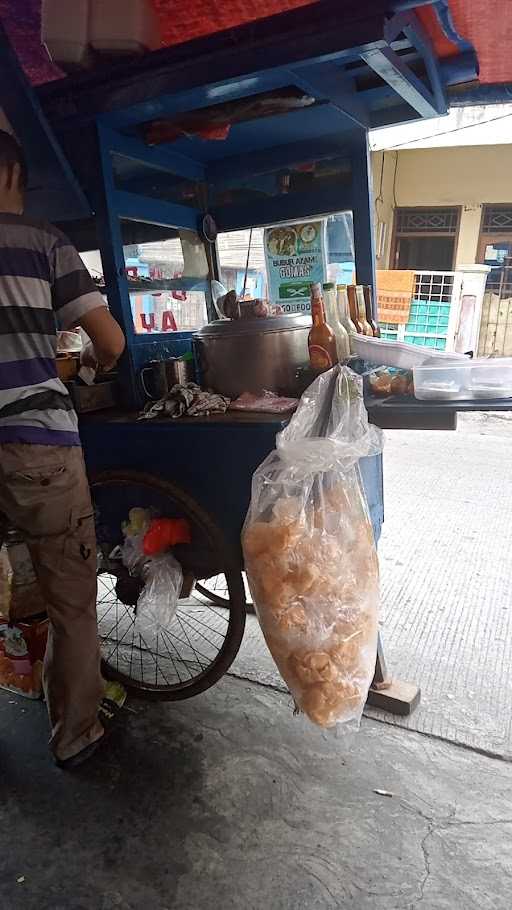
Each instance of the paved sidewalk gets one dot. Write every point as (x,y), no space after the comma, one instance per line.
(446,566)
(228,801)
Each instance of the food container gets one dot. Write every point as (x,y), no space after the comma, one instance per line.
(490,378)
(95,397)
(473,379)
(397,353)
(249,355)
(67,366)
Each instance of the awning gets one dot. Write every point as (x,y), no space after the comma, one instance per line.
(486,25)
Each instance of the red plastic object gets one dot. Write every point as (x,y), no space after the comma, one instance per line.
(164,533)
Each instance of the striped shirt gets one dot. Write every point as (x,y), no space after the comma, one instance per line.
(44,287)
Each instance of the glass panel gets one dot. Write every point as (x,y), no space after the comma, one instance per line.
(171,308)
(427,252)
(296,178)
(498,255)
(136,177)
(318,250)
(167,277)
(238,251)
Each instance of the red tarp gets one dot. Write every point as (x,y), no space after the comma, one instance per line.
(487,24)
(181,21)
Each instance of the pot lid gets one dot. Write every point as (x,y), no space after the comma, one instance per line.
(255,326)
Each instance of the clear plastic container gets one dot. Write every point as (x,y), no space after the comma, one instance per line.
(473,379)
(491,378)
(398,354)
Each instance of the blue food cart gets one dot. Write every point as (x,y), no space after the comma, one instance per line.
(130,153)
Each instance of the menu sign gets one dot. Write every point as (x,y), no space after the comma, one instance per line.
(295,256)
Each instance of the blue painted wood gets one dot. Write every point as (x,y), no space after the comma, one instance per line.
(446,22)
(48,167)
(206,71)
(461,96)
(329,81)
(114,266)
(279,156)
(316,122)
(363,210)
(170,105)
(401,114)
(389,67)
(407,23)
(164,159)
(212,462)
(155,211)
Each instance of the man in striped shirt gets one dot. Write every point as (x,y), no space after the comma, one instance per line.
(44,287)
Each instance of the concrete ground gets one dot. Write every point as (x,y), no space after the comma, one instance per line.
(228,801)
(446,582)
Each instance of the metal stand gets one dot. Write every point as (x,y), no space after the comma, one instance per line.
(390,694)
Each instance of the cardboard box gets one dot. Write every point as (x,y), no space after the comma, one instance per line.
(22,648)
(22,639)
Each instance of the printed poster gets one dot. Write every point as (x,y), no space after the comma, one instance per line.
(295,256)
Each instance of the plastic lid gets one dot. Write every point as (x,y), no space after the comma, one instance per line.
(328,285)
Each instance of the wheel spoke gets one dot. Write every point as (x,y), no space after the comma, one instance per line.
(151,654)
(116,646)
(171,657)
(202,635)
(132,619)
(100,619)
(186,663)
(131,651)
(186,636)
(191,616)
(191,654)
(195,650)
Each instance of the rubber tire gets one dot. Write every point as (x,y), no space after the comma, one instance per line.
(232,571)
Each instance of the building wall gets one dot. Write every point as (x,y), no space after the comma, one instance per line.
(465,176)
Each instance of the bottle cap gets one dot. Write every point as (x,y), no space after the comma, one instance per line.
(328,285)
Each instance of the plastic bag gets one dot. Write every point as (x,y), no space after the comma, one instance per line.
(158,601)
(145,539)
(20,594)
(310,555)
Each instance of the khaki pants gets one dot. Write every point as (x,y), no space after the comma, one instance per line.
(44,494)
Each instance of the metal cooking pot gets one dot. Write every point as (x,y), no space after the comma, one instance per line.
(248,355)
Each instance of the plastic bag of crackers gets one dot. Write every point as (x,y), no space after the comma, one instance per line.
(310,554)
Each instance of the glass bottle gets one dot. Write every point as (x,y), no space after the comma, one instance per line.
(367,289)
(353,309)
(323,352)
(343,311)
(334,321)
(361,310)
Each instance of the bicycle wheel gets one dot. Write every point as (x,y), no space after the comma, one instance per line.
(216,590)
(199,644)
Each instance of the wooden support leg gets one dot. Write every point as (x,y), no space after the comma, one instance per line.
(390,694)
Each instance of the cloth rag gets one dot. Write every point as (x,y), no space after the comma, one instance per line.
(186,401)
(395,289)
